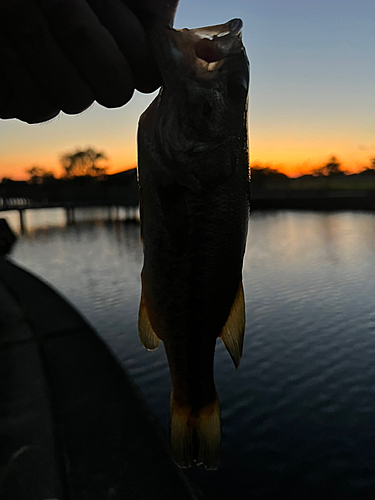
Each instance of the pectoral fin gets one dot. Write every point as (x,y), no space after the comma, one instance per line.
(233,332)
(147,335)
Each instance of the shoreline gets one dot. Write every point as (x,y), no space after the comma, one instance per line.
(312,199)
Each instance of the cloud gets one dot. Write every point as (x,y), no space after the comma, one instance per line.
(366,147)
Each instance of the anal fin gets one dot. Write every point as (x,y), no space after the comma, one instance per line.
(233,331)
(146,333)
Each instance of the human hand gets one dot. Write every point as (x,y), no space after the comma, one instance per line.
(61,55)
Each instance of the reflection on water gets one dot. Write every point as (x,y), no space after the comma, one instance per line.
(298,415)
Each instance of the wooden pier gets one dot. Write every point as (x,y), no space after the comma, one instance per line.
(20,205)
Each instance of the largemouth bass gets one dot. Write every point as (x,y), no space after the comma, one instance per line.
(193,174)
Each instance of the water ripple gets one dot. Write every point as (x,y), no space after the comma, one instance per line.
(298,415)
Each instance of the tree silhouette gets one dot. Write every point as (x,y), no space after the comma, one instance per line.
(83,163)
(38,175)
(330,168)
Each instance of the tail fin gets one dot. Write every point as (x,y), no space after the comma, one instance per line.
(196,435)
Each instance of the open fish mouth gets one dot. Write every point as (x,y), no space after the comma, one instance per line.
(205,49)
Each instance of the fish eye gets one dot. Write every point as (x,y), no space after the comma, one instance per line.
(237,88)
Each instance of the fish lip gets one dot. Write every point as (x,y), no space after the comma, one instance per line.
(230,28)
(236,26)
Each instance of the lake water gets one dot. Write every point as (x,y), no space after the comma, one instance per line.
(299,415)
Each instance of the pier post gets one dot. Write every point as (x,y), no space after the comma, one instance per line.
(70,215)
(22,221)
(67,214)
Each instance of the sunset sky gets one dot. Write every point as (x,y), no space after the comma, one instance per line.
(312,91)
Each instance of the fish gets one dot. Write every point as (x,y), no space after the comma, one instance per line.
(193,175)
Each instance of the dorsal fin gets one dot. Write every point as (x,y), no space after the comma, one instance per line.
(146,333)
(233,331)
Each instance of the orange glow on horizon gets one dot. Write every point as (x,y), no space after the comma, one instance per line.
(298,152)
(305,169)
(17,169)
(290,161)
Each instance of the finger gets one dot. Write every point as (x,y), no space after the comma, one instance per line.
(28,32)
(5,92)
(152,11)
(91,48)
(132,41)
(24,99)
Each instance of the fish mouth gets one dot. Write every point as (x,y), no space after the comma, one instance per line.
(205,49)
